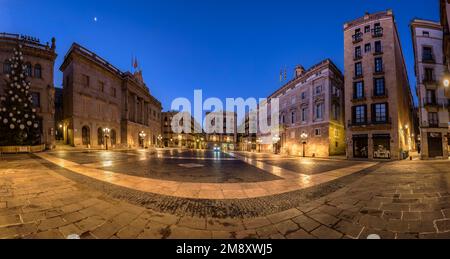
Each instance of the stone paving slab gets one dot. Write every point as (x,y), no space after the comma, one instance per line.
(394,202)
(292,181)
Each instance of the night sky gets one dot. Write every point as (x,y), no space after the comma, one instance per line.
(228,48)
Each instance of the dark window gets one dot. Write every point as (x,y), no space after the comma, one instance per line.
(336,111)
(86,135)
(378,65)
(380,112)
(429,74)
(359,114)
(100,137)
(368,48)
(380,88)
(85,80)
(427,54)
(28,70)
(426,34)
(367,29)
(358,90)
(6,67)
(38,71)
(358,35)
(378,48)
(101,86)
(293,117)
(317,132)
(433,119)
(430,97)
(360,146)
(36,99)
(319,111)
(358,53)
(304,115)
(358,69)
(113,138)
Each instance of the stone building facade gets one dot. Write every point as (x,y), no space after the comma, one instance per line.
(311,114)
(172,139)
(105,106)
(40,61)
(226,138)
(379,106)
(433,96)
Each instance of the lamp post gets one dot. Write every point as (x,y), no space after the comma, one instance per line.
(106,132)
(142,136)
(304,137)
(160,140)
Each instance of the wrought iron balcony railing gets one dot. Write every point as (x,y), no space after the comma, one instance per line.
(377,32)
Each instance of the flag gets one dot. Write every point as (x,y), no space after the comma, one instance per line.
(135,65)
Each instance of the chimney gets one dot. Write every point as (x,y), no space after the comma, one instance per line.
(299,70)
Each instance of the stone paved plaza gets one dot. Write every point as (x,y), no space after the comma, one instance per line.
(151,195)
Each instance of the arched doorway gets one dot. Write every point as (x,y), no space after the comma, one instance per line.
(113,138)
(100,137)
(86,135)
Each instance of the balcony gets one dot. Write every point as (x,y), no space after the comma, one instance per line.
(353,124)
(436,103)
(377,32)
(380,95)
(371,124)
(428,58)
(358,77)
(357,37)
(378,51)
(379,72)
(357,99)
(357,57)
(433,124)
(427,79)
(381,122)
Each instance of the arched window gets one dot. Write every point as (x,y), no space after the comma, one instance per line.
(113,137)
(38,71)
(28,69)
(100,137)
(6,67)
(86,135)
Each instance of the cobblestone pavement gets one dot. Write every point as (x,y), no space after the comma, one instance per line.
(394,200)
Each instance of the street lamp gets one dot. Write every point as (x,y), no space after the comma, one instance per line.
(142,136)
(106,132)
(446,82)
(304,137)
(160,140)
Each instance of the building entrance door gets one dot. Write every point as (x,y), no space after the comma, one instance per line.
(435,145)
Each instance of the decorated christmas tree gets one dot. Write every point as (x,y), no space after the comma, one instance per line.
(19,123)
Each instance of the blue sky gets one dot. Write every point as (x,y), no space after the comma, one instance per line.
(228,48)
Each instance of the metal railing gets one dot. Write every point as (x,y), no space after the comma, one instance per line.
(377,32)
(436,102)
(357,37)
(24,39)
